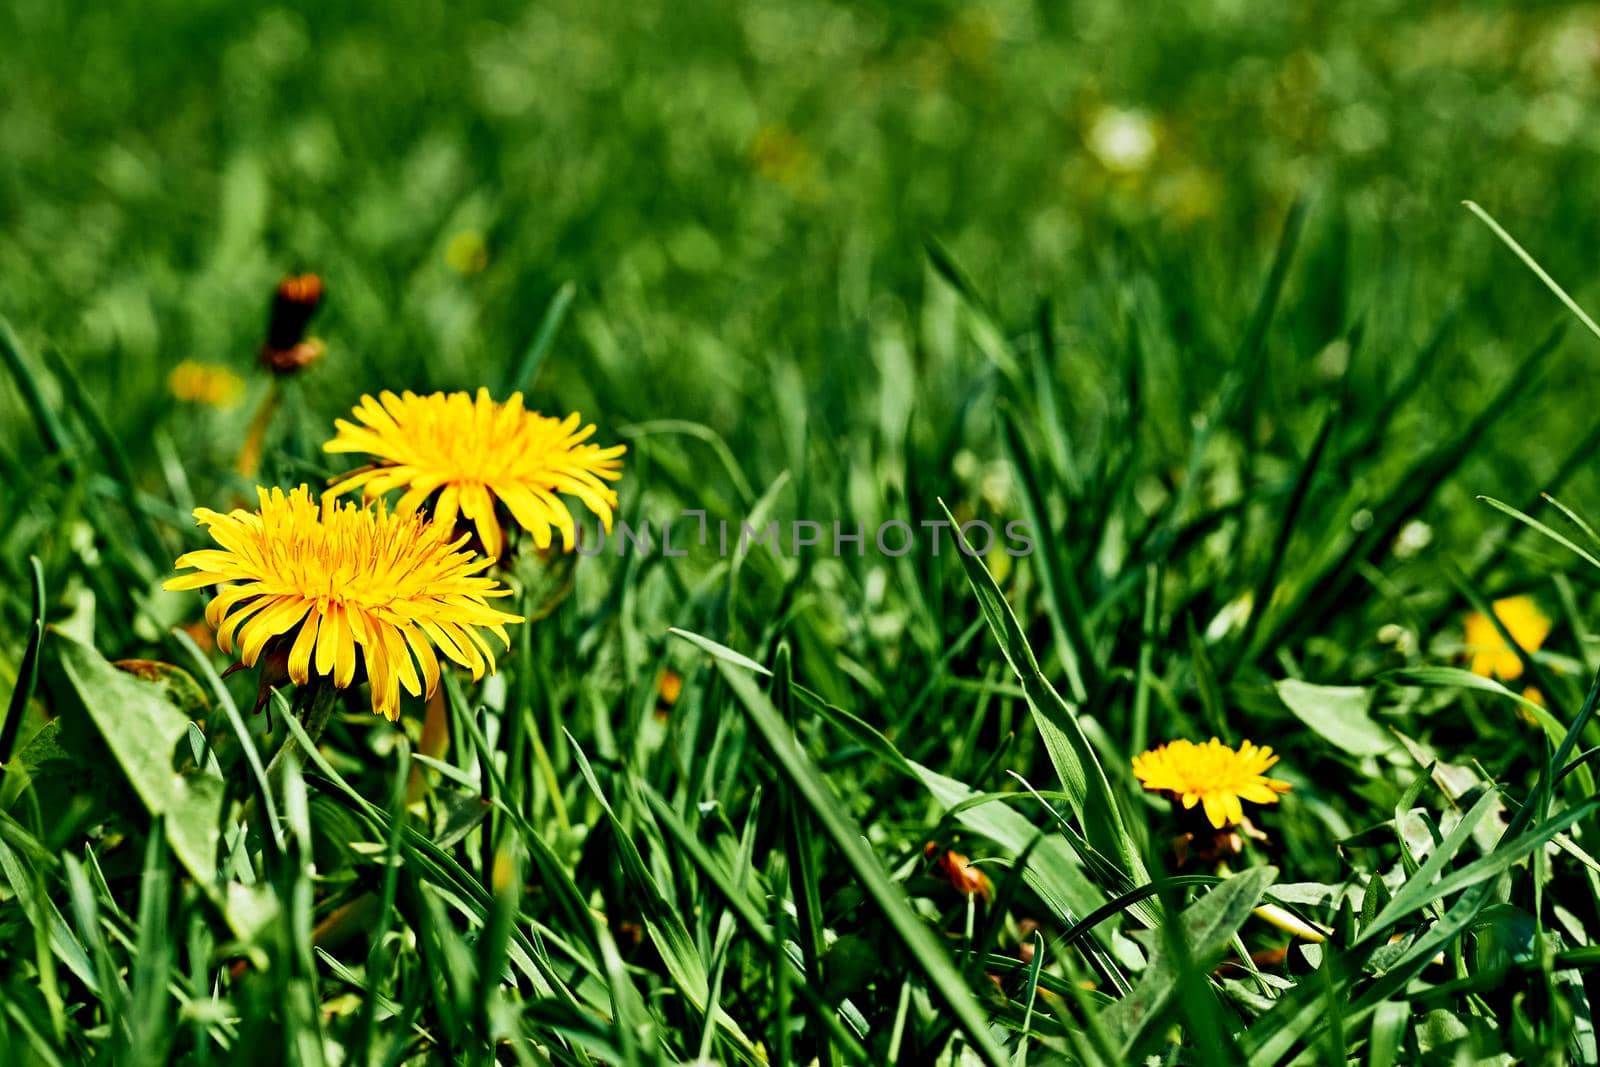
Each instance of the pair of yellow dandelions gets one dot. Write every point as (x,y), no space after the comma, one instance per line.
(353,581)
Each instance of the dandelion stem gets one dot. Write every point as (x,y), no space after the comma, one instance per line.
(314,707)
(249,461)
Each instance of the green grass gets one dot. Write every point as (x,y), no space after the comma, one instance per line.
(820,262)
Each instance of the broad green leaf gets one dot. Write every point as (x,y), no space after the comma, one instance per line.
(1338,714)
(63,943)
(176,684)
(42,750)
(1207,927)
(141,729)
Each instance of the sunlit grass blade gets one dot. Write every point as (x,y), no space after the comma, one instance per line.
(924,952)
(1267,584)
(1082,777)
(527,369)
(105,439)
(1320,592)
(744,908)
(1533,265)
(1534,524)
(1063,600)
(27,670)
(1052,870)
(801,848)
(663,923)
(51,431)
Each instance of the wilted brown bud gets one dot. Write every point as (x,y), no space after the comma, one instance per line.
(287,348)
(274,672)
(966,879)
(668,688)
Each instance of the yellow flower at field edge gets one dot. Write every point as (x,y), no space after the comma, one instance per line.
(1491,656)
(350,583)
(1212,775)
(475,452)
(205,383)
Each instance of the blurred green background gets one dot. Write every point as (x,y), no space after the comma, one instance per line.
(733,185)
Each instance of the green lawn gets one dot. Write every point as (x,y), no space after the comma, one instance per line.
(1188,291)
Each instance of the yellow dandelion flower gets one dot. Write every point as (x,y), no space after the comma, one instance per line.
(348,582)
(474,452)
(467,253)
(1491,656)
(205,383)
(1213,775)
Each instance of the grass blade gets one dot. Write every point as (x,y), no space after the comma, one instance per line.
(923,949)
(1082,777)
(521,379)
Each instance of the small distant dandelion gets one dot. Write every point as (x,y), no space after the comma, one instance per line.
(467,253)
(1188,194)
(1123,141)
(342,586)
(1491,656)
(474,453)
(1212,775)
(205,383)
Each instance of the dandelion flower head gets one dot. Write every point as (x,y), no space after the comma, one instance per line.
(1212,775)
(471,453)
(205,383)
(342,585)
(1491,656)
